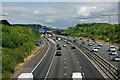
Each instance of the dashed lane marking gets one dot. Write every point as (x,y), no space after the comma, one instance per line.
(65,74)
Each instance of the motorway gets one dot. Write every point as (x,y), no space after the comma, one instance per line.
(47,65)
(72,60)
(103,51)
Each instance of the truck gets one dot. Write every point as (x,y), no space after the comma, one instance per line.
(77,76)
(26,76)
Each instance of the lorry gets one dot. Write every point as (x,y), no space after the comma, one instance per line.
(77,76)
(26,76)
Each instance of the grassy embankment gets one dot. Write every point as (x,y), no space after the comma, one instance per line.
(15,47)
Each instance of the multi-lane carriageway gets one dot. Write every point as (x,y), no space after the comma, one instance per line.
(59,67)
(46,65)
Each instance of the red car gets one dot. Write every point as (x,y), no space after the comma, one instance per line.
(88,40)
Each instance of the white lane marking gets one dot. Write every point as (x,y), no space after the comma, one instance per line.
(42,58)
(64,58)
(50,66)
(65,74)
(65,67)
(64,62)
(78,61)
(80,66)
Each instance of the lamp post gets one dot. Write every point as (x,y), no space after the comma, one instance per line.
(118,51)
(3,15)
(109,34)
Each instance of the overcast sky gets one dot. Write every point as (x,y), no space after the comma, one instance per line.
(59,14)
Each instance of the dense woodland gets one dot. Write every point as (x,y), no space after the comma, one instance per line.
(95,31)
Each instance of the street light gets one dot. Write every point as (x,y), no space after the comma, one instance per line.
(119,53)
(109,37)
(109,34)
(4,14)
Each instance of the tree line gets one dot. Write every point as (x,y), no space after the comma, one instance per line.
(95,31)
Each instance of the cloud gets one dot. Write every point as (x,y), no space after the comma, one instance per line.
(58,14)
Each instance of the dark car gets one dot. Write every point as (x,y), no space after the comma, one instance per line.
(73,47)
(115,58)
(83,43)
(58,45)
(58,53)
(119,49)
(80,38)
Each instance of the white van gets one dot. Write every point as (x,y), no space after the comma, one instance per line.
(77,76)
(26,76)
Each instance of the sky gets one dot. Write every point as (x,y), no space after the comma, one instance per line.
(59,0)
(58,14)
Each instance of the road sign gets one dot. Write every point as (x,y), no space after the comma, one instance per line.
(49,31)
(41,30)
(37,42)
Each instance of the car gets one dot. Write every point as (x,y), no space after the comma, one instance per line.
(112,52)
(54,39)
(95,49)
(58,53)
(100,44)
(119,49)
(64,45)
(88,40)
(48,39)
(93,42)
(80,38)
(73,47)
(57,45)
(77,76)
(74,40)
(67,42)
(83,43)
(116,58)
(98,47)
(111,48)
(89,44)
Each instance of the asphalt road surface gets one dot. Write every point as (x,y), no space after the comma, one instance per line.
(103,51)
(47,65)
(72,60)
